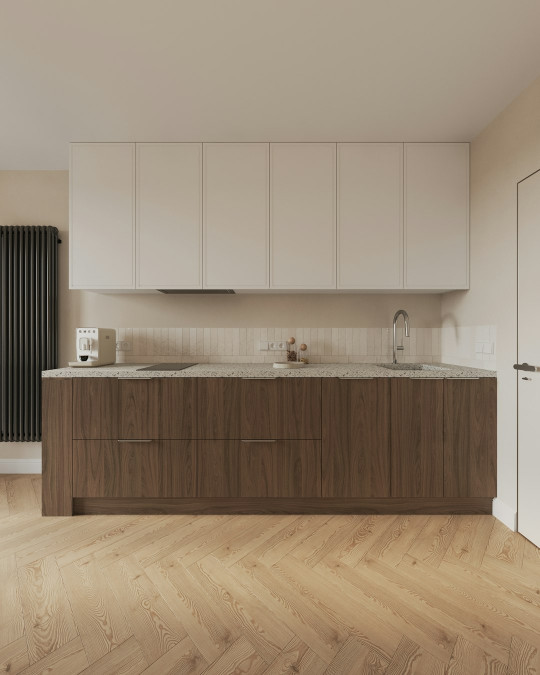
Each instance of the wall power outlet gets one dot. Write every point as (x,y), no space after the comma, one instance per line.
(123,346)
(272,346)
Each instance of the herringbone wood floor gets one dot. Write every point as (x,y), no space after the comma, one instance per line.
(263,594)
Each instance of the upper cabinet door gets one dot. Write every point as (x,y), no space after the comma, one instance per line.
(370,215)
(102,209)
(303,215)
(169,225)
(236,184)
(437,215)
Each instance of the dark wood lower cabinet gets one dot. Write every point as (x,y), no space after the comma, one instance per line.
(417,437)
(130,469)
(280,469)
(356,437)
(470,438)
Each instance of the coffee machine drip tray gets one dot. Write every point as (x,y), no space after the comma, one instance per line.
(168,366)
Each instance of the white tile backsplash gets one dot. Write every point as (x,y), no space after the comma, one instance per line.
(325,345)
(474,346)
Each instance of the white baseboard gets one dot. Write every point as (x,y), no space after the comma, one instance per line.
(505,514)
(20,466)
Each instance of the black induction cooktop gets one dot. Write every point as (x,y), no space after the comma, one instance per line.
(168,366)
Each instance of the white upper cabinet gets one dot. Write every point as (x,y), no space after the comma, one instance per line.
(102,215)
(303,215)
(236,213)
(436,215)
(169,223)
(370,215)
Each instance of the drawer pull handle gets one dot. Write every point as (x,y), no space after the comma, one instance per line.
(355,377)
(463,378)
(266,377)
(259,440)
(136,378)
(134,440)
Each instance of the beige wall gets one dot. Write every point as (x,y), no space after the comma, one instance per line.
(505,152)
(41,198)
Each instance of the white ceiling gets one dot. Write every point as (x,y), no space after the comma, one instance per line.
(281,70)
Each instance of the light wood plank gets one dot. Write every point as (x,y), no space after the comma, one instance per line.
(411,659)
(297,658)
(184,659)
(47,613)
(153,624)
(397,538)
(369,529)
(21,497)
(240,658)
(430,547)
(69,658)
(471,539)
(358,658)
(100,621)
(14,657)
(468,659)
(127,659)
(11,614)
(524,658)
(505,547)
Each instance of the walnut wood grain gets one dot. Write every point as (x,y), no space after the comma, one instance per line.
(416,438)
(155,469)
(356,438)
(95,407)
(138,408)
(177,407)
(252,505)
(284,408)
(280,469)
(470,438)
(56,447)
(218,408)
(217,469)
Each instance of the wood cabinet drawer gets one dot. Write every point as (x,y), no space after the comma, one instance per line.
(259,468)
(417,437)
(95,407)
(138,408)
(130,469)
(259,408)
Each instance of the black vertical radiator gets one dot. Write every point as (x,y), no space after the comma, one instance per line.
(29,325)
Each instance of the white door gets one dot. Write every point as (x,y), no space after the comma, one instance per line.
(236,214)
(303,215)
(169,223)
(370,215)
(436,215)
(102,215)
(529,353)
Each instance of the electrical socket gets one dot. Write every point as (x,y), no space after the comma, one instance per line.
(265,345)
(123,346)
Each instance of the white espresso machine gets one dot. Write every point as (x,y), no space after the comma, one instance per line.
(95,347)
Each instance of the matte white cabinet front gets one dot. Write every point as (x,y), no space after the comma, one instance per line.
(102,215)
(169,222)
(370,215)
(236,214)
(303,215)
(437,215)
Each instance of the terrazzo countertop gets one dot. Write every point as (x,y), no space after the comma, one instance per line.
(351,370)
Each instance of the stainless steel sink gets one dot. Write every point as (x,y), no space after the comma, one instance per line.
(411,366)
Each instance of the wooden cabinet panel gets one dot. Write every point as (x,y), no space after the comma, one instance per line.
(102,215)
(56,413)
(236,215)
(356,438)
(177,407)
(149,469)
(417,437)
(370,215)
(95,407)
(436,215)
(169,219)
(303,215)
(138,408)
(280,408)
(280,469)
(217,469)
(218,407)
(470,438)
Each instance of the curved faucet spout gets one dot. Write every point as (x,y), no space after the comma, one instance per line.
(403,313)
